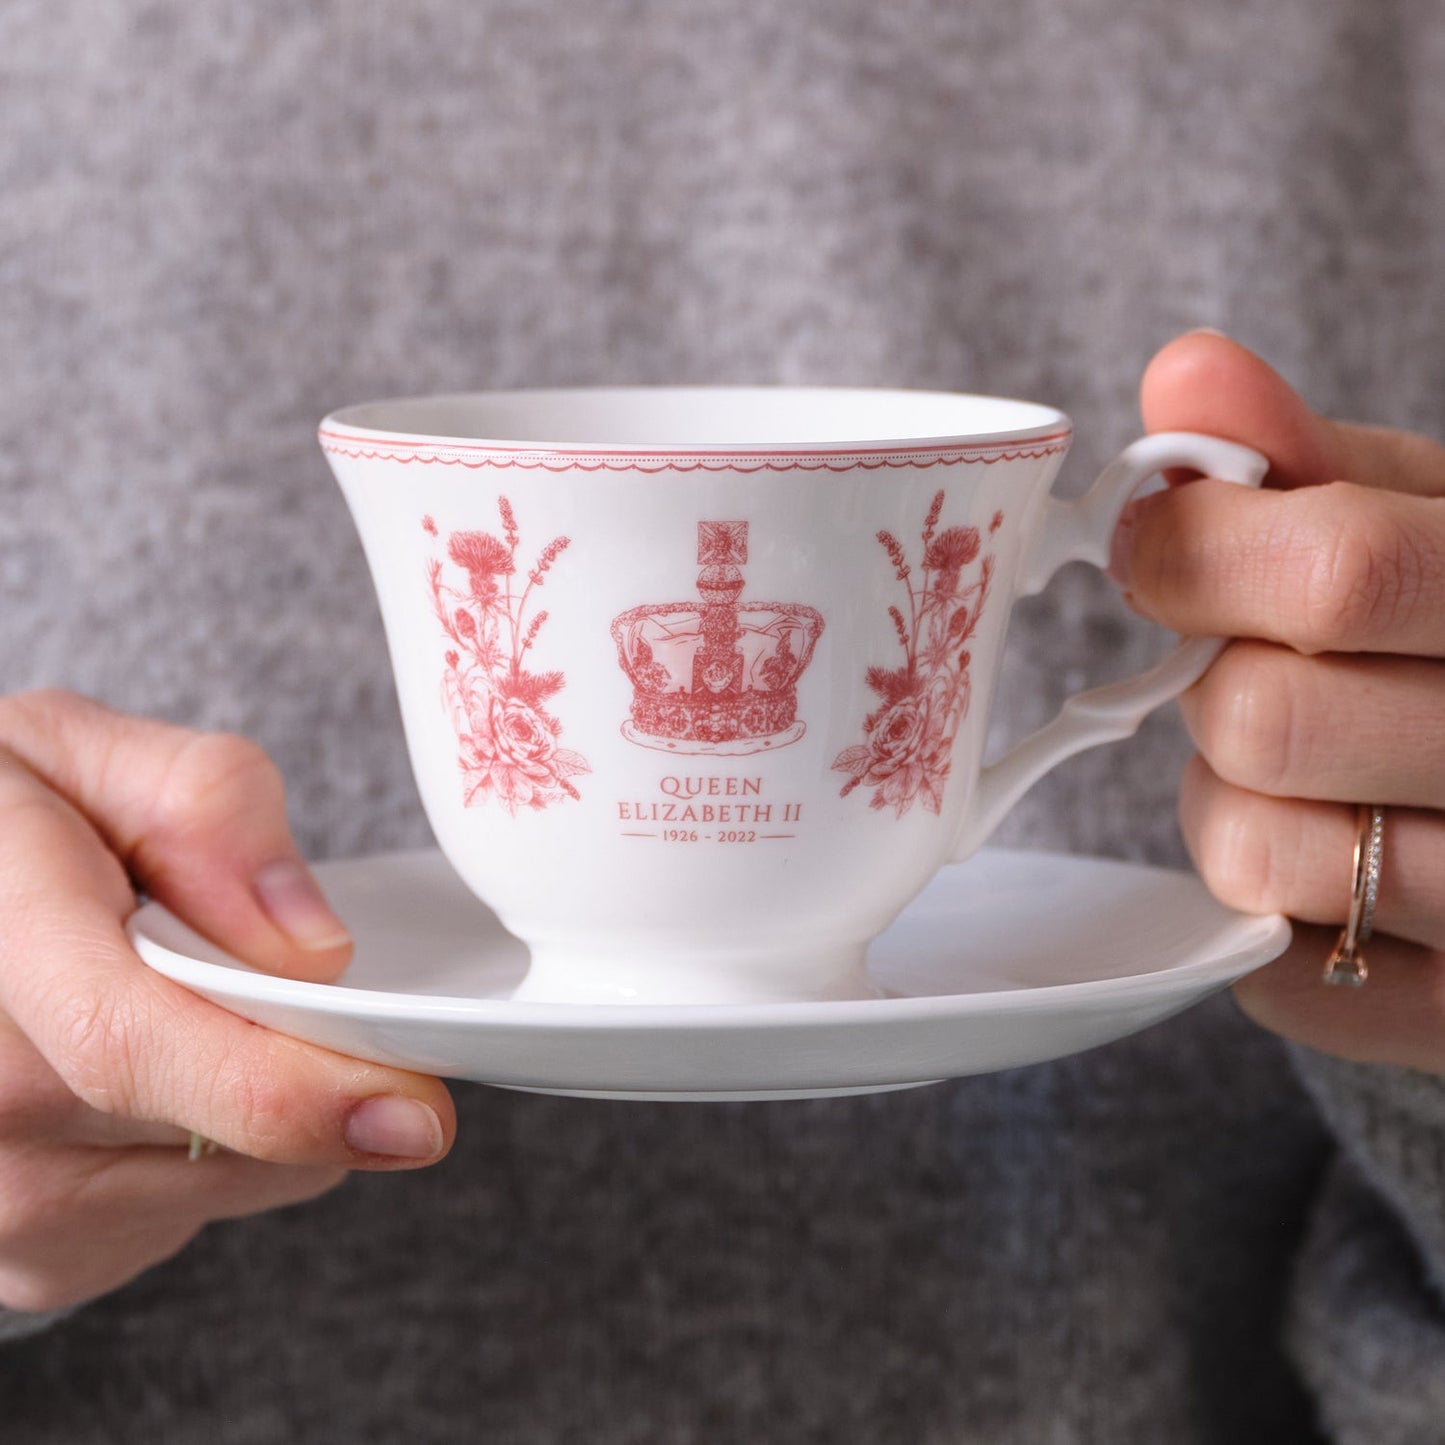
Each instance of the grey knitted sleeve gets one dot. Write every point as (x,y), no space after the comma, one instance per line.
(15,1326)
(1367,1320)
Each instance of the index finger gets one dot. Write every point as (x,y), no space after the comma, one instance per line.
(1336,568)
(197,818)
(131,1043)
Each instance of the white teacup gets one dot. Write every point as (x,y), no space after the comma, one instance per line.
(696,681)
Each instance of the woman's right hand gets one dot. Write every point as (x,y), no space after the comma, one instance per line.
(106,1068)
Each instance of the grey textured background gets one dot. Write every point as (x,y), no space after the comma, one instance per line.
(220,222)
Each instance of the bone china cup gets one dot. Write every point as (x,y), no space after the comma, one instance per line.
(696,681)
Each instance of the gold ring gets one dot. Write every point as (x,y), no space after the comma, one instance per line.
(200,1147)
(1346,965)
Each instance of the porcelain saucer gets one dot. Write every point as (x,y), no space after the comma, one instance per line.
(1011,959)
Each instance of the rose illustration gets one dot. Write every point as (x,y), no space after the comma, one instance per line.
(897,738)
(907,756)
(907,750)
(522,737)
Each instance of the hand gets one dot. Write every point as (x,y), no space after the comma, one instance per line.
(1333,581)
(105,1066)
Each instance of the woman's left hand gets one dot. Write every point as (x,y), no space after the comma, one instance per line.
(1332,582)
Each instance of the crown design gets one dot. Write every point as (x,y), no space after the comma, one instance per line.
(718,676)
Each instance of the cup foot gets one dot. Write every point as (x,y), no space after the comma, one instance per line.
(567,975)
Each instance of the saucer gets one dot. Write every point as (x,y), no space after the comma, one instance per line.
(1011,959)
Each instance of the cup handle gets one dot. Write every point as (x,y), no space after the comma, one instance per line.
(1081,531)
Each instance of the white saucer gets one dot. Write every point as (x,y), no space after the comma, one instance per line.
(1011,959)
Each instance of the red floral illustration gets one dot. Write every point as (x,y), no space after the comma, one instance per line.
(908,740)
(507,740)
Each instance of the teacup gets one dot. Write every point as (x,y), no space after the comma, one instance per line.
(696,680)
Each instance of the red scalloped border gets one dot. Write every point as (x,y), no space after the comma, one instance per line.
(557,461)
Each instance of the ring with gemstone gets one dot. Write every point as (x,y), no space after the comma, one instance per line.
(1346,964)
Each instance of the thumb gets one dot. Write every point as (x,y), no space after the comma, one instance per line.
(197,818)
(1207,383)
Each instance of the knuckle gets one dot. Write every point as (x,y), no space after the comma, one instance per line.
(45,712)
(38,1292)
(1238,861)
(1362,572)
(23,1208)
(37,1208)
(34,1101)
(92,1051)
(208,774)
(1250,727)
(46,1273)
(46,702)
(252,1110)
(17,1115)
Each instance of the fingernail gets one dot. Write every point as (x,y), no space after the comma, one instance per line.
(297,906)
(1122,545)
(397,1127)
(1208,331)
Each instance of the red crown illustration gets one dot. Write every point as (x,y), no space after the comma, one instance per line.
(719,676)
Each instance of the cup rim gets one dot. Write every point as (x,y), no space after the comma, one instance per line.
(385,423)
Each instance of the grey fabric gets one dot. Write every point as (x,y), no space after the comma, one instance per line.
(15,1325)
(1097,1251)
(1375,1365)
(220,222)
(1367,1326)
